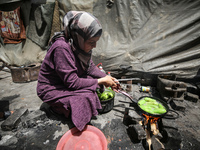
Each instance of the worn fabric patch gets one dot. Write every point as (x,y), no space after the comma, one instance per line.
(12,27)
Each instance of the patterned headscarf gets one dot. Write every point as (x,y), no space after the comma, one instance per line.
(80,26)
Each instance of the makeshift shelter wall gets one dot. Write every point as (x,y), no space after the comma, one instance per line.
(37,17)
(155,36)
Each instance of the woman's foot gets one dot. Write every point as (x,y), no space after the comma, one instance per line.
(51,109)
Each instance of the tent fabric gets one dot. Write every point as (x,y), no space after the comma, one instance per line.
(41,17)
(154,36)
(149,37)
(29,51)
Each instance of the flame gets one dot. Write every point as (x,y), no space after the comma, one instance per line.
(151,119)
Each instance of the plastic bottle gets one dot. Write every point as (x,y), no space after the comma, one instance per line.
(147,89)
(101,68)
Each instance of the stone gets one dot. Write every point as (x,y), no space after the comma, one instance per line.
(12,121)
(191,97)
(138,129)
(177,105)
(31,119)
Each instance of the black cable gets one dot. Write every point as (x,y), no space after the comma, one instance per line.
(172,117)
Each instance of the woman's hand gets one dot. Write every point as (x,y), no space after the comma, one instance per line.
(108,81)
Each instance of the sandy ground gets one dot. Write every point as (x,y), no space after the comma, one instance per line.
(45,133)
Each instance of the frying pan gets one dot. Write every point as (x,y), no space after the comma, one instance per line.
(157,100)
(119,89)
(144,112)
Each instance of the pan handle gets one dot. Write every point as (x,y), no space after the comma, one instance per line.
(129,96)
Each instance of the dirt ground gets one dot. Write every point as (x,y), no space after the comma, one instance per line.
(44,133)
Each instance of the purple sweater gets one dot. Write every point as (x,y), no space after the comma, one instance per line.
(62,80)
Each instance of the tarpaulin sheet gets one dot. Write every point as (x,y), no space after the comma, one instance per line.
(154,36)
(150,36)
(41,17)
(37,17)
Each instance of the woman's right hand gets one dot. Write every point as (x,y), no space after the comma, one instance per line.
(108,81)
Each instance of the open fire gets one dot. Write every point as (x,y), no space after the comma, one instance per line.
(153,128)
(149,129)
(150,123)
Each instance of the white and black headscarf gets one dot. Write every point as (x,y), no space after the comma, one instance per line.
(80,26)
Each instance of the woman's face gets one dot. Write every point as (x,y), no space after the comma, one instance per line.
(90,44)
